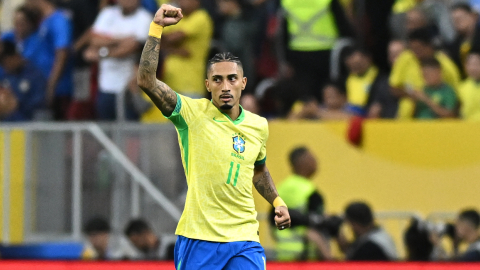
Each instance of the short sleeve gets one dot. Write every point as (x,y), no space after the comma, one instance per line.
(185,112)
(262,156)
(61,30)
(102,23)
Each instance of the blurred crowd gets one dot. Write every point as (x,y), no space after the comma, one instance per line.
(332,59)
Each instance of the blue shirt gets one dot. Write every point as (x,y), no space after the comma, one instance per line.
(28,86)
(150,5)
(55,32)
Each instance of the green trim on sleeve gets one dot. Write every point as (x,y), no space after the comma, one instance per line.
(261,162)
(182,128)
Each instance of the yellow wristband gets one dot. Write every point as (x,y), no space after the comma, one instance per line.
(279,202)
(155,30)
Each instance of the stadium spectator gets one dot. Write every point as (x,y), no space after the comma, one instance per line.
(237,34)
(118,34)
(466,229)
(25,25)
(371,242)
(469,90)
(83,14)
(395,48)
(407,74)
(307,33)
(303,241)
(22,86)
(145,240)
(334,105)
(250,103)
(468,34)
(417,242)
(187,45)
(367,87)
(438,99)
(51,55)
(101,246)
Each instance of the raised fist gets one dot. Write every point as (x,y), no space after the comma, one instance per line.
(168,15)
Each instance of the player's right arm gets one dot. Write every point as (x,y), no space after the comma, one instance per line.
(161,94)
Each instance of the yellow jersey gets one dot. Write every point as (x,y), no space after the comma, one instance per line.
(218,157)
(198,28)
(469,95)
(407,74)
(358,87)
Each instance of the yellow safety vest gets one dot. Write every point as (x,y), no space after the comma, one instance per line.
(291,243)
(311,24)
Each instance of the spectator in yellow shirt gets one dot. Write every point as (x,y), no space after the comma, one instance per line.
(469,90)
(407,72)
(187,45)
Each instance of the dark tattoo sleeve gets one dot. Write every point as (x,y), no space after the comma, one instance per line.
(161,94)
(263,182)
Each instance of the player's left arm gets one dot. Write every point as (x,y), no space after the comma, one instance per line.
(263,182)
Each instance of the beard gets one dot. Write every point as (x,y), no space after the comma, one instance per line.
(226,106)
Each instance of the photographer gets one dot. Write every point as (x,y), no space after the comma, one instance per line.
(306,206)
(466,230)
(371,242)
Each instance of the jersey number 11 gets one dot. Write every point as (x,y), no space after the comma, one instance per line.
(230,174)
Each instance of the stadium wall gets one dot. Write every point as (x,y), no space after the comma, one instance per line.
(417,166)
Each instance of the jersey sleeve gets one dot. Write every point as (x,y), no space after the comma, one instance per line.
(262,156)
(184,112)
(61,32)
(102,24)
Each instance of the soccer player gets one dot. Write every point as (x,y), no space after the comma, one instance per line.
(223,149)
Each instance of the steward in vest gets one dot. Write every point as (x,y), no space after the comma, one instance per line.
(302,241)
(371,242)
(307,35)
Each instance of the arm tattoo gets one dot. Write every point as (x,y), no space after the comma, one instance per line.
(265,186)
(160,93)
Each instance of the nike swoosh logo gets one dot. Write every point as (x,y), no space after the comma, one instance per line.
(219,121)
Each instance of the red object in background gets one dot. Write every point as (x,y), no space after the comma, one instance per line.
(75,265)
(355,130)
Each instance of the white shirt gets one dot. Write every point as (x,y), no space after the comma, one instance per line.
(115,73)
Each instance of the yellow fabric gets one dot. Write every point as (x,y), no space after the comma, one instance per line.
(311,24)
(469,95)
(186,75)
(407,74)
(402,6)
(358,87)
(219,206)
(161,2)
(279,202)
(155,30)
(152,115)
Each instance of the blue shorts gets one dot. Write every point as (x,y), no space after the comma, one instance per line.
(199,254)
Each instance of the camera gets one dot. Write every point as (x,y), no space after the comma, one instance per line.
(329,224)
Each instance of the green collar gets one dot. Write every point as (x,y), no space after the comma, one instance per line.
(239,119)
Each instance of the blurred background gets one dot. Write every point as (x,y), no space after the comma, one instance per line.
(373,108)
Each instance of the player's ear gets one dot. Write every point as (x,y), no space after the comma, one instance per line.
(244,83)
(207,85)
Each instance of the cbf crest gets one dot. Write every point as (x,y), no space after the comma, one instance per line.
(238,143)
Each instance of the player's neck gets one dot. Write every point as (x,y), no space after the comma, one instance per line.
(233,113)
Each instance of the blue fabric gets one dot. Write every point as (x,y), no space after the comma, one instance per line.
(29,87)
(150,5)
(199,254)
(55,32)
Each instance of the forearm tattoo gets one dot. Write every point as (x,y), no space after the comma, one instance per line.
(160,93)
(265,186)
